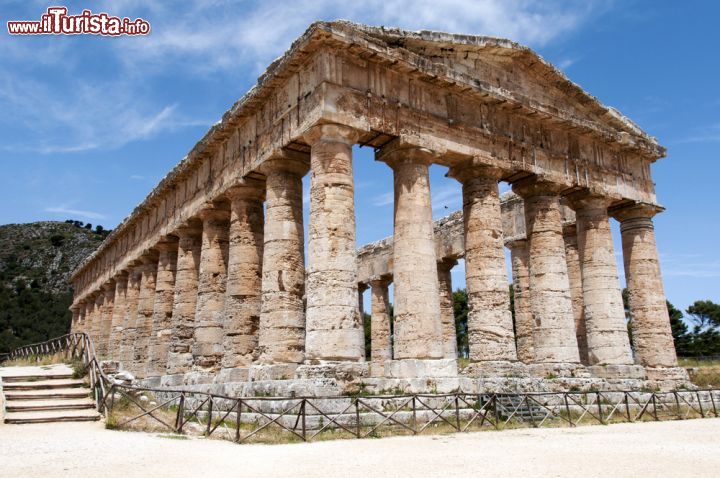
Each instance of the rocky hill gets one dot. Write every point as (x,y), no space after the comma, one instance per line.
(35,264)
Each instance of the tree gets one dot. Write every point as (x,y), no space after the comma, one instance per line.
(680,332)
(705,314)
(460,310)
(99,229)
(88,226)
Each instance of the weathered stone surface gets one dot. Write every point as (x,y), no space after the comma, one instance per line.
(490,327)
(418,330)
(380,343)
(606,331)
(524,322)
(207,347)
(145,307)
(652,335)
(447,313)
(127,336)
(554,332)
(161,332)
(180,358)
(572,258)
(118,316)
(334,328)
(487,109)
(242,302)
(282,317)
(106,313)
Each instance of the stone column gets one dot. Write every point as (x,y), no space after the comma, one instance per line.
(524,322)
(361,300)
(550,303)
(333,324)
(162,309)
(418,328)
(82,311)
(146,304)
(572,257)
(97,318)
(281,338)
(244,281)
(207,346)
(118,317)
(490,327)
(108,290)
(180,357)
(127,337)
(380,345)
(652,335)
(447,312)
(75,322)
(89,308)
(607,337)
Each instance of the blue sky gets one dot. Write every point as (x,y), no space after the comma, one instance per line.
(89,125)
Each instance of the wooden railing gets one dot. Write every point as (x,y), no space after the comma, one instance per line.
(273,419)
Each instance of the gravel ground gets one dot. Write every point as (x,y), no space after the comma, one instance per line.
(678,448)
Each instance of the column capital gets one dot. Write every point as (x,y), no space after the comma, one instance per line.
(446,263)
(148,257)
(190,228)
(379,281)
(331,132)
(247,189)
(284,160)
(515,242)
(121,277)
(108,286)
(637,210)
(399,152)
(213,211)
(587,200)
(472,169)
(536,186)
(166,244)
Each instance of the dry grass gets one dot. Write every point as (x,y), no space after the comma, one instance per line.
(35,360)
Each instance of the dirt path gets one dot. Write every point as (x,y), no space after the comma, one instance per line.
(679,448)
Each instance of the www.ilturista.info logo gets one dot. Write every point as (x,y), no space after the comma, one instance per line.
(57,22)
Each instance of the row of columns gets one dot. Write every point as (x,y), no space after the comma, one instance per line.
(229,288)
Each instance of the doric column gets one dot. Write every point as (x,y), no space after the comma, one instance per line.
(132,296)
(82,314)
(524,322)
(418,328)
(180,358)
(118,316)
(75,322)
(380,345)
(207,346)
(146,304)
(333,324)
(281,337)
(87,321)
(652,335)
(244,280)
(162,309)
(490,327)
(572,257)
(605,327)
(447,312)
(108,290)
(97,319)
(550,303)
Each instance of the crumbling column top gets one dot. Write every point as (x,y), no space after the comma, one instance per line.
(288,161)
(635,211)
(248,188)
(472,169)
(331,132)
(536,186)
(399,152)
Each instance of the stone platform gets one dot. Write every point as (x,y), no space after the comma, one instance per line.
(416,376)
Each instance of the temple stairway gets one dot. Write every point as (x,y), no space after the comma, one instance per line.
(43,394)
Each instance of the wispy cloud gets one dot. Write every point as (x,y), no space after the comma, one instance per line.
(383,199)
(75,212)
(708,134)
(566,63)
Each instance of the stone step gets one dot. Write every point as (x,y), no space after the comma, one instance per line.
(35,378)
(49,394)
(43,385)
(46,405)
(52,416)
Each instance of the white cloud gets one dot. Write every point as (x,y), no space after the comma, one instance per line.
(230,35)
(384,199)
(75,212)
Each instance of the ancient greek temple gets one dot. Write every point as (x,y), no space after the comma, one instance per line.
(209,280)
